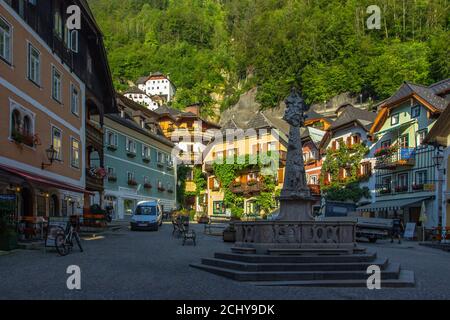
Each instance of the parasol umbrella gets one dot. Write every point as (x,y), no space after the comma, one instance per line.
(423,219)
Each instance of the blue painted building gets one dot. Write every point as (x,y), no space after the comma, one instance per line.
(138,160)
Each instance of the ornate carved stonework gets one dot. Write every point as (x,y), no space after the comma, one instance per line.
(295,198)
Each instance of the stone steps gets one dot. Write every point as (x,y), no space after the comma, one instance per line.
(261,258)
(405,280)
(391,272)
(252,267)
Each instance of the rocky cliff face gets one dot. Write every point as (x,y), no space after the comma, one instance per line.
(247,107)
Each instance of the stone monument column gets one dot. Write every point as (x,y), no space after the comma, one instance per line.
(295,199)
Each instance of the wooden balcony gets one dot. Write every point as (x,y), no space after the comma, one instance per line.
(93,182)
(248,188)
(404,157)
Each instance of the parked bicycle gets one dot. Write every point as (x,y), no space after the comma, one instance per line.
(64,241)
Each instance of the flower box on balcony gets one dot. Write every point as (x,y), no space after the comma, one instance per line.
(401,189)
(161,189)
(385,191)
(112,178)
(236,184)
(418,187)
(170,191)
(160,164)
(146,159)
(147,186)
(111,147)
(24,138)
(132,182)
(131,154)
(252,182)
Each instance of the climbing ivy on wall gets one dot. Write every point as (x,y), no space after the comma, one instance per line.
(199,180)
(343,189)
(228,171)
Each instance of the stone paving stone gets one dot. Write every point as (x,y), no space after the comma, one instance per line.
(154,265)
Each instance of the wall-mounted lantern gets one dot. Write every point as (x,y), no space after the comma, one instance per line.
(51,155)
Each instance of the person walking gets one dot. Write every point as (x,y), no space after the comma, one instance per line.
(397,229)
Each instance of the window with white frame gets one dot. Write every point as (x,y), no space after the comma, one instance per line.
(74,100)
(314,179)
(160,157)
(75,153)
(5,40)
(56,84)
(130,176)
(145,152)
(420,137)
(131,145)
(57,142)
(71,39)
(34,64)
(57,24)
(111,138)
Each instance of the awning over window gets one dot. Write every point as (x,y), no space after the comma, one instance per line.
(391,204)
(43,180)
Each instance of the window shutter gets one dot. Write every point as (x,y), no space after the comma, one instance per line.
(349,141)
(280,175)
(333,145)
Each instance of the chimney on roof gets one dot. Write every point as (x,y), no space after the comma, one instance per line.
(194,108)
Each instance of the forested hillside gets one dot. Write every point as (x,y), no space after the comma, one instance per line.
(228,46)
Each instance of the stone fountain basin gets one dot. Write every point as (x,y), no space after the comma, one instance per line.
(265,235)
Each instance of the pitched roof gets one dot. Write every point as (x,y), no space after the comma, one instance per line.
(426,93)
(134,90)
(314,134)
(353,114)
(142,80)
(441,86)
(259,121)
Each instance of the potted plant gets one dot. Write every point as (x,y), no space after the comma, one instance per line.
(229,233)
(417,187)
(203,219)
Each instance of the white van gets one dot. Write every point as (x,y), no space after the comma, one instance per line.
(146,216)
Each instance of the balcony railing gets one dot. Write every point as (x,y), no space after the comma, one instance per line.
(393,159)
(396,188)
(249,187)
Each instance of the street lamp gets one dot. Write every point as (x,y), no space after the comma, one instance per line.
(438,158)
(51,155)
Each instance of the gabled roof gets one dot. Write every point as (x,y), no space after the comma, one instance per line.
(142,80)
(440,131)
(312,115)
(352,114)
(135,90)
(177,115)
(259,121)
(314,134)
(429,97)
(441,87)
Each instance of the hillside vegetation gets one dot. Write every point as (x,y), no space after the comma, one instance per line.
(217,49)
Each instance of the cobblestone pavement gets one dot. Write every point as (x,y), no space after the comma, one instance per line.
(153,265)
